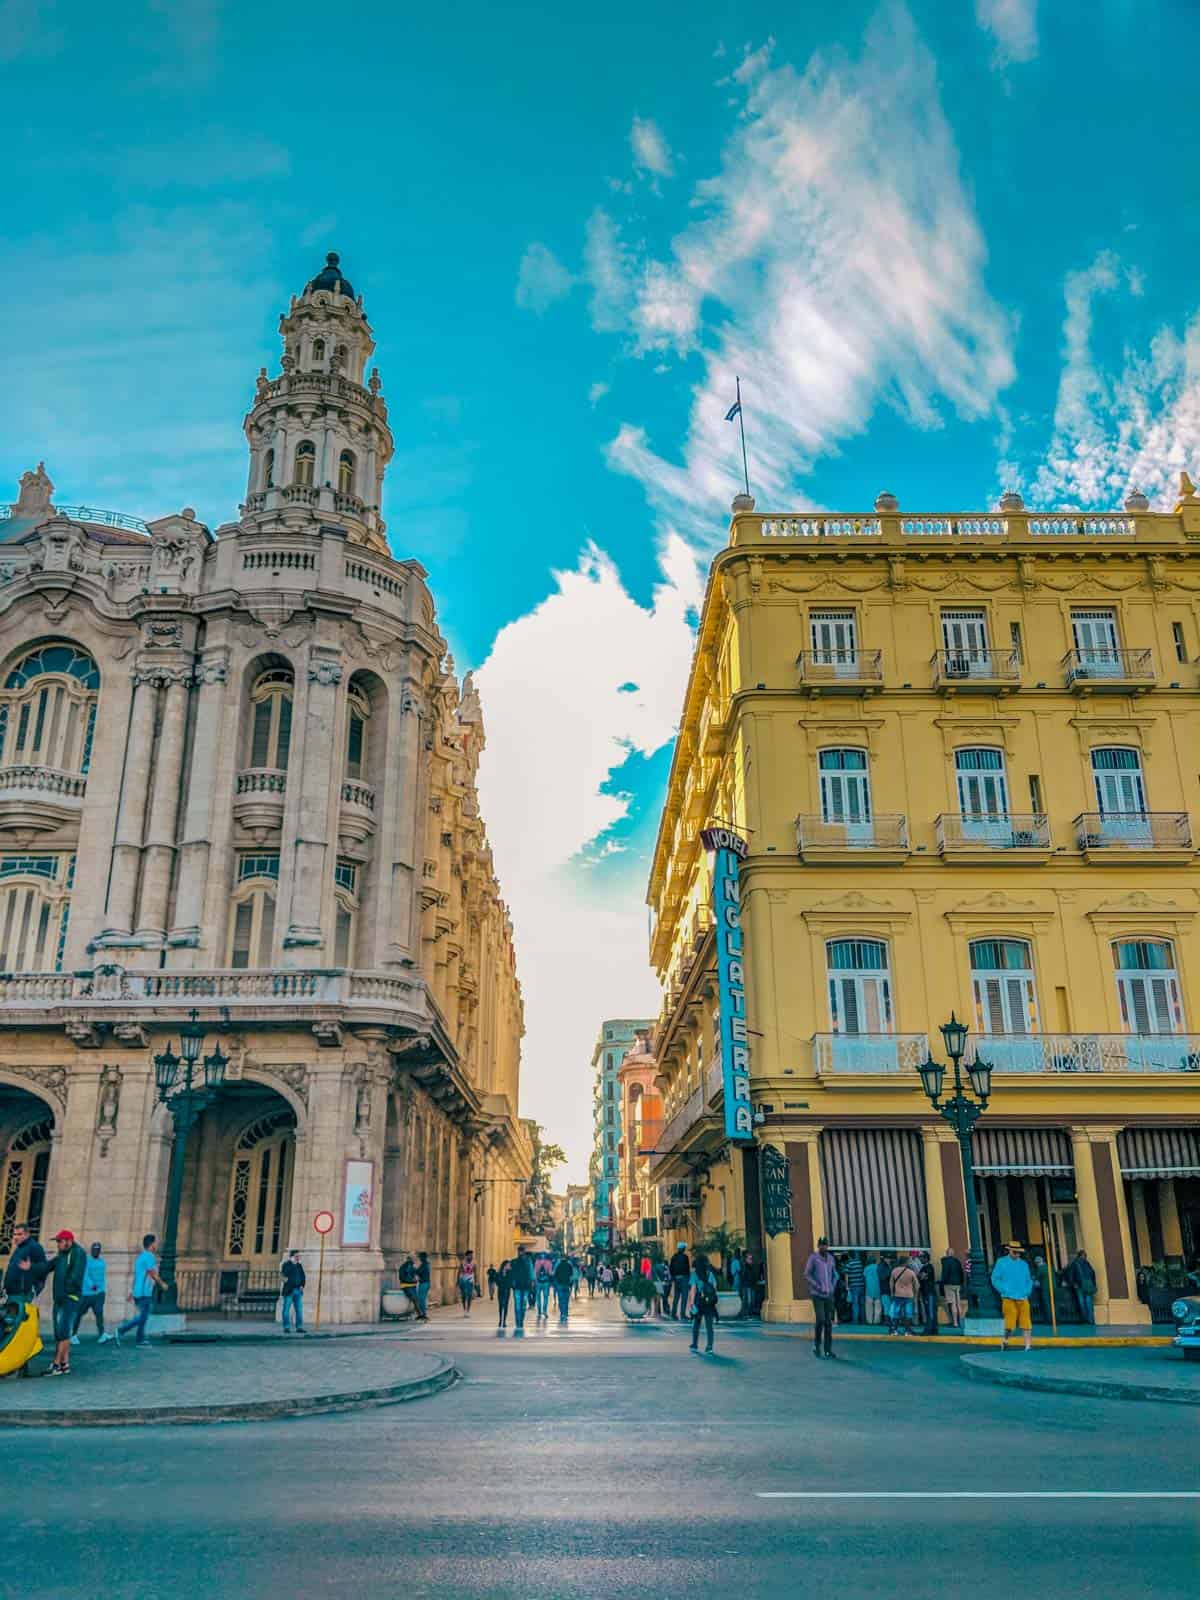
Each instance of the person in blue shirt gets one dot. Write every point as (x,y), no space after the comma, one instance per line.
(145,1280)
(1013,1282)
(95,1287)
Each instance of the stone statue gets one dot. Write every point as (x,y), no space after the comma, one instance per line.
(33,501)
(107,1106)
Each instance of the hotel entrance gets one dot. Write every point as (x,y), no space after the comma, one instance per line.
(1026,1182)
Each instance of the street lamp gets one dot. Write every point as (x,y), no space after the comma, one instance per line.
(197,1089)
(962,1113)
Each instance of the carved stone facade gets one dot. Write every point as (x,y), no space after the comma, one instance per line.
(237,777)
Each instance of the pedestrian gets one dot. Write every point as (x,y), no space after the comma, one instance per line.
(563,1279)
(856,1285)
(1039,1298)
(292,1274)
(22,1277)
(952,1280)
(702,1306)
(521,1274)
(65,1271)
(871,1291)
(95,1287)
(590,1275)
(576,1277)
(503,1292)
(1080,1278)
(1013,1282)
(422,1285)
(543,1274)
(681,1277)
(749,1271)
(491,1282)
(735,1273)
(904,1288)
(821,1275)
(146,1279)
(885,1289)
(606,1280)
(662,1289)
(467,1285)
(927,1278)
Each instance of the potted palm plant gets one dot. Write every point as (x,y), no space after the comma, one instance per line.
(636,1295)
(718,1244)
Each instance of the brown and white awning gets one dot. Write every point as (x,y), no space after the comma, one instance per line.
(1022,1153)
(1159,1152)
(873,1181)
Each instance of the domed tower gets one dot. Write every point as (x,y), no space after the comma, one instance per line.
(319,437)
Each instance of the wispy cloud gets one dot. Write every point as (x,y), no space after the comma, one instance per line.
(541,279)
(1136,426)
(596,393)
(651,152)
(608,268)
(835,263)
(1013,25)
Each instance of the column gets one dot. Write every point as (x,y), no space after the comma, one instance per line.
(164,809)
(1105,1238)
(1141,1224)
(131,815)
(788,1298)
(328,472)
(935,1192)
(1168,1210)
(196,843)
(313,867)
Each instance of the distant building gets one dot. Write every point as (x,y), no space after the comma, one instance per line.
(615,1037)
(577,1233)
(641,1120)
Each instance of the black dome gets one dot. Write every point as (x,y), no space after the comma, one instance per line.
(330,278)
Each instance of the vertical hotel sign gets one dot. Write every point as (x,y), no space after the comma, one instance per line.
(729,850)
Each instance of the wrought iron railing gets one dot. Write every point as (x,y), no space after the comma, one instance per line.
(835,1053)
(233,1291)
(1133,830)
(967,666)
(828,668)
(1087,1052)
(884,832)
(1009,830)
(1098,666)
(105,519)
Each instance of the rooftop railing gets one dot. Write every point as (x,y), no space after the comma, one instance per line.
(890,526)
(93,514)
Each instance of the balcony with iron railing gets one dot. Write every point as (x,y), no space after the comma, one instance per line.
(868,1053)
(1061,1053)
(1014,838)
(840,671)
(877,839)
(981,670)
(1118,671)
(705,1098)
(1150,836)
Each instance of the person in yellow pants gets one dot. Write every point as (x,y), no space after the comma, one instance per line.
(1013,1282)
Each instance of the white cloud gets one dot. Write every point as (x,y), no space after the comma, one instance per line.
(608,269)
(1013,25)
(596,393)
(1136,427)
(558,724)
(835,263)
(651,152)
(541,279)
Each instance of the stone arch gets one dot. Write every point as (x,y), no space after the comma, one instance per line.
(28,1134)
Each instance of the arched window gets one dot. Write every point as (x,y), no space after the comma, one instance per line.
(24,1168)
(358,711)
(48,709)
(306,462)
(860,991)
(318,351)
(1002,980)
(35,905)
(346,470)
(1117,776)
(345,911)
(845,786)
(260,1189)
(271,719)
(1148,986)
(252,934)
(269,470)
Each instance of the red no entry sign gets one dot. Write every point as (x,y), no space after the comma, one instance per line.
(323,1222)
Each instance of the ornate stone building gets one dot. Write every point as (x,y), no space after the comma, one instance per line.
(237,777)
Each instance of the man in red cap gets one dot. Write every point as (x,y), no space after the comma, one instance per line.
(66,1272)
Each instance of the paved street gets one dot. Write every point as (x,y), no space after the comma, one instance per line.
(607,1461)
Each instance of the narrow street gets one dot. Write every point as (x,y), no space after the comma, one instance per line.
(565,1460)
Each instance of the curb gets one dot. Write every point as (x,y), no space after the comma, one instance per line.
(988,1341)
(1093,1388)
(247,1411)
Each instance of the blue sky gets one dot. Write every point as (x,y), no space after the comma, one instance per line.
(949,247)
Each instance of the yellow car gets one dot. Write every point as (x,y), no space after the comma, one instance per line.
(20,1340)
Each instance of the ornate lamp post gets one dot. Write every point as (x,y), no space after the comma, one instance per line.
(962,1113)
(196,1089)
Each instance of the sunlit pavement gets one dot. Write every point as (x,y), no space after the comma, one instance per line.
(606,1460)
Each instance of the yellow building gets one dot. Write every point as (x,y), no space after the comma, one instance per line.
(964,751)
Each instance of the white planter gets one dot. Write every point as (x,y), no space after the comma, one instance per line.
(396,1303)
(729,1305)
(635,1310)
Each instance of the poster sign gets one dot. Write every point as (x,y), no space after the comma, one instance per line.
(729,850)
(776,1187)
(357,1201)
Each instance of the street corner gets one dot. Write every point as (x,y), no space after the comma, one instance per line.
(1149,1373)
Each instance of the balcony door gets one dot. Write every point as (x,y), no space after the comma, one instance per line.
(860,1005)
(965,640)
(1096,644)
(1006,1004)
(1148,987)
(983,795)
(835,642)
(1120,795)
(846,794)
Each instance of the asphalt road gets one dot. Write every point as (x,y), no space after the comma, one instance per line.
(608,1461)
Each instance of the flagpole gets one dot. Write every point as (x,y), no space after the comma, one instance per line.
(742,428)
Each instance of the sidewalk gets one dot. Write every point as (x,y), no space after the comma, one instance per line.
(110,1385)
(1105,1374)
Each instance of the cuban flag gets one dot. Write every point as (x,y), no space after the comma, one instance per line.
(735,410)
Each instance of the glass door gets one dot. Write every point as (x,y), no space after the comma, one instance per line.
(1096,644)
(965,640)
(860,1006)
(983,795)
(1121,796)
(835,642)
(846,794)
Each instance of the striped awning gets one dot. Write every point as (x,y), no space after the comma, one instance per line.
(874,1189)
(1021,1152)
(1159,1152)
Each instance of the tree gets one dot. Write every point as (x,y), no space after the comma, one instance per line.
(536,1214)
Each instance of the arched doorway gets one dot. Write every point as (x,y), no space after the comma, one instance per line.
(26,1130)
